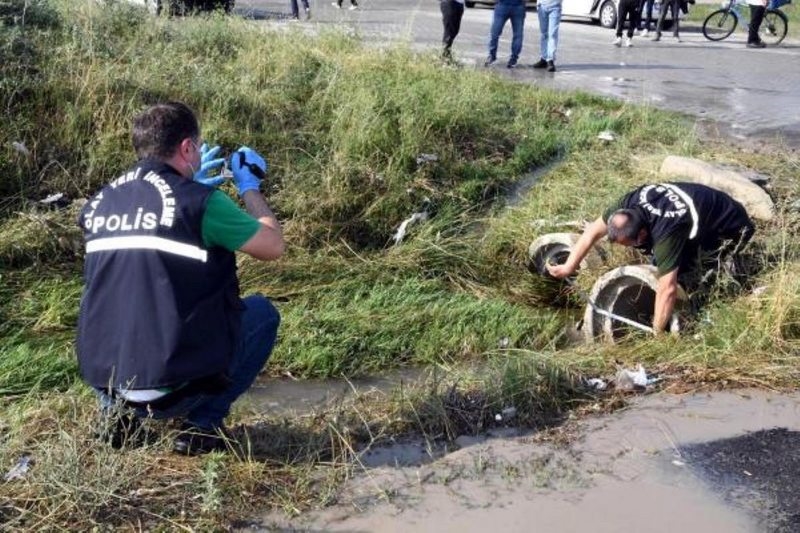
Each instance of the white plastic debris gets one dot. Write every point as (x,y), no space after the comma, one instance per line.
(21,148)
(509,412)
(427,158)
(401,231)
(758,291)
(678,463)
(597,384)
(630,379)
(52,198)
(607,135)
(498,417)
(20,469)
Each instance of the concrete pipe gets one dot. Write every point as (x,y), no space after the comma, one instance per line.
(736,184)
(628,291)
(555,248)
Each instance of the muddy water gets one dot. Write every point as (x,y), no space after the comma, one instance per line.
(626,471)
(286,396)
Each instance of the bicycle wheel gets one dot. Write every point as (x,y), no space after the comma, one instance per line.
(719,24)
(773,28)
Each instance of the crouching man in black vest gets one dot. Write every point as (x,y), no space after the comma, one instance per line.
(686,227)
(162,330)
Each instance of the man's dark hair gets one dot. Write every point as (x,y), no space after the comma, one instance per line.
(159,129)
(634,222)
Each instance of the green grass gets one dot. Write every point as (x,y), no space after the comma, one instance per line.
(342,126)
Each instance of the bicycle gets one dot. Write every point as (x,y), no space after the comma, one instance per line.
(721,23)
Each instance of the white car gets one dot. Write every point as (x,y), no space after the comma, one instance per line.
(604,11)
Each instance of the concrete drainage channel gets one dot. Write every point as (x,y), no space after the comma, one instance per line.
(624,297)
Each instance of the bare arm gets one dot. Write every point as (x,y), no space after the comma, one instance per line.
(267,244)
(593,233)
(666,295)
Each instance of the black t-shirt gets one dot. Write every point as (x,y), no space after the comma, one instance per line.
(680,216)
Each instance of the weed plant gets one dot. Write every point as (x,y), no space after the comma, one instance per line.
(346,130)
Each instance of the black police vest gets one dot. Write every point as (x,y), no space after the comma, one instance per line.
(704,213)
(158,308)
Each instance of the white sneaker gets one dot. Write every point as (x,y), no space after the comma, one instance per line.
(645,32)
(617,41)
(337,6)
(628,42)
(352,7)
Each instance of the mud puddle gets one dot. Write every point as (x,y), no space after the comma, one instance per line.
(652,467)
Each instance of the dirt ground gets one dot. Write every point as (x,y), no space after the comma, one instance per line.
(724,461)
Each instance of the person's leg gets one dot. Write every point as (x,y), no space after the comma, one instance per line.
(756,18)
(634,22)
(499,18)
(518,31)
(543,14)
(661,17)
(554,17)
(458,14)
(294,8)
(649,16)
(446,6)
(676,11)
(620,18)
(260,322)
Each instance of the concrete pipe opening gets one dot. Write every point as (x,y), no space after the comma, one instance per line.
(554,248)
(629,292)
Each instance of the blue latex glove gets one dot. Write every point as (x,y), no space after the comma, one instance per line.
(249,168)
(209,164)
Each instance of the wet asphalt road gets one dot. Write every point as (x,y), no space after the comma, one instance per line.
(744,93)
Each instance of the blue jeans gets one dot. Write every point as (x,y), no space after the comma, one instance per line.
(504,10)
(549,21)
(260,322)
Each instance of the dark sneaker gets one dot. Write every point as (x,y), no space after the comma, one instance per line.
(657,37)
(489,61)
(540,64)
(759,44)
(551,66)
(512,63)
(193,440)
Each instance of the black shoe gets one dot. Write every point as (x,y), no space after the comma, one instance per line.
(489,61)
(551,66)
(193,440)
(540,64)
(657,37)
(759,44)
(512,63)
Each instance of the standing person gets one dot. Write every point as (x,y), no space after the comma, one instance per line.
(338,4)
(296,10)
(549,13)
(645,15)
(627,9)
(162,330)
(757,10)
(452,11)
(674,6)
(504,10)
(685,226)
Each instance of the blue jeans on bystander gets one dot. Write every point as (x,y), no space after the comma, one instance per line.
(260,321)
(549,21)
(504,10)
